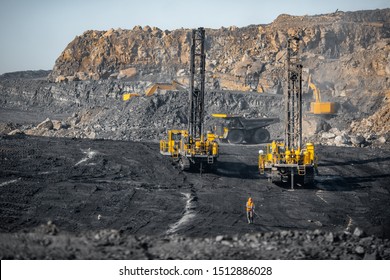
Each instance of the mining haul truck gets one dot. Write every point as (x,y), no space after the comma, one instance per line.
(240,129)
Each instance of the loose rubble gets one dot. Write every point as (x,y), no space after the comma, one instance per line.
(48,243)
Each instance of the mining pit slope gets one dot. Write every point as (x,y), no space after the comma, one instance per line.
(81,176)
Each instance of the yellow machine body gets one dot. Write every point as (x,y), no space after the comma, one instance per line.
(225,130)
(220,115)
(128,96)
(277,154)
(179,145)
(277,161)
(318,107)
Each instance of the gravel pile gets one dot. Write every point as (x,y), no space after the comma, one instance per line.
(96,109)
(47,242)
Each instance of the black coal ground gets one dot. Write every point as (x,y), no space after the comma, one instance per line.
(67,198)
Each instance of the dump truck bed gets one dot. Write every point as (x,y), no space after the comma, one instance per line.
(240,129)
(256,123)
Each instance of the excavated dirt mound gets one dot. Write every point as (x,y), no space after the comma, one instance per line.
(71,198)
(94,109)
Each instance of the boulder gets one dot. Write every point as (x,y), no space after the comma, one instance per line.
(60,79)
(72,78)
(359,250)
(369,136)
(311,127)
(357,140)
(341,140)
(57,125)
(329,237)
(335,131)
(219,238)
(16,132)
(127,73)
(91,135)
(382,139)
(328,135)
(74,120)
(358,232)
(46,124)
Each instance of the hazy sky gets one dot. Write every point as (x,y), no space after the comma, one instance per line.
(35,32)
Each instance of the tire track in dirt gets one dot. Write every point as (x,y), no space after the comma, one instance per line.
(188,215)
(9,182)
(89,155)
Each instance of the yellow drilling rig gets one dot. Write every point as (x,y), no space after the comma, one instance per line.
(291,161)
(193,148)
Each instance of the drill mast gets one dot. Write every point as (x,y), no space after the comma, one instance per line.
(293,101)
(197,84)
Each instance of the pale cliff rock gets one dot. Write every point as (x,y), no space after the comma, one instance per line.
(344,51)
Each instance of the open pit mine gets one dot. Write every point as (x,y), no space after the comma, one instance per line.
(147,144)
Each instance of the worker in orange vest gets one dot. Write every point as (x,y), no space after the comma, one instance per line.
(250,208)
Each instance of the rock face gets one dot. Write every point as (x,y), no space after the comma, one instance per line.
(347,54)
(378,123)
(248,58)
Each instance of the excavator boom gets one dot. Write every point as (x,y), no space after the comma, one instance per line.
(316,91)
(164,86)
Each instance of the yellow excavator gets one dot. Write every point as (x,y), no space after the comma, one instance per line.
(164,86)
(153,88)
(128,95)
(318,107)
(193,148)
(291,161)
